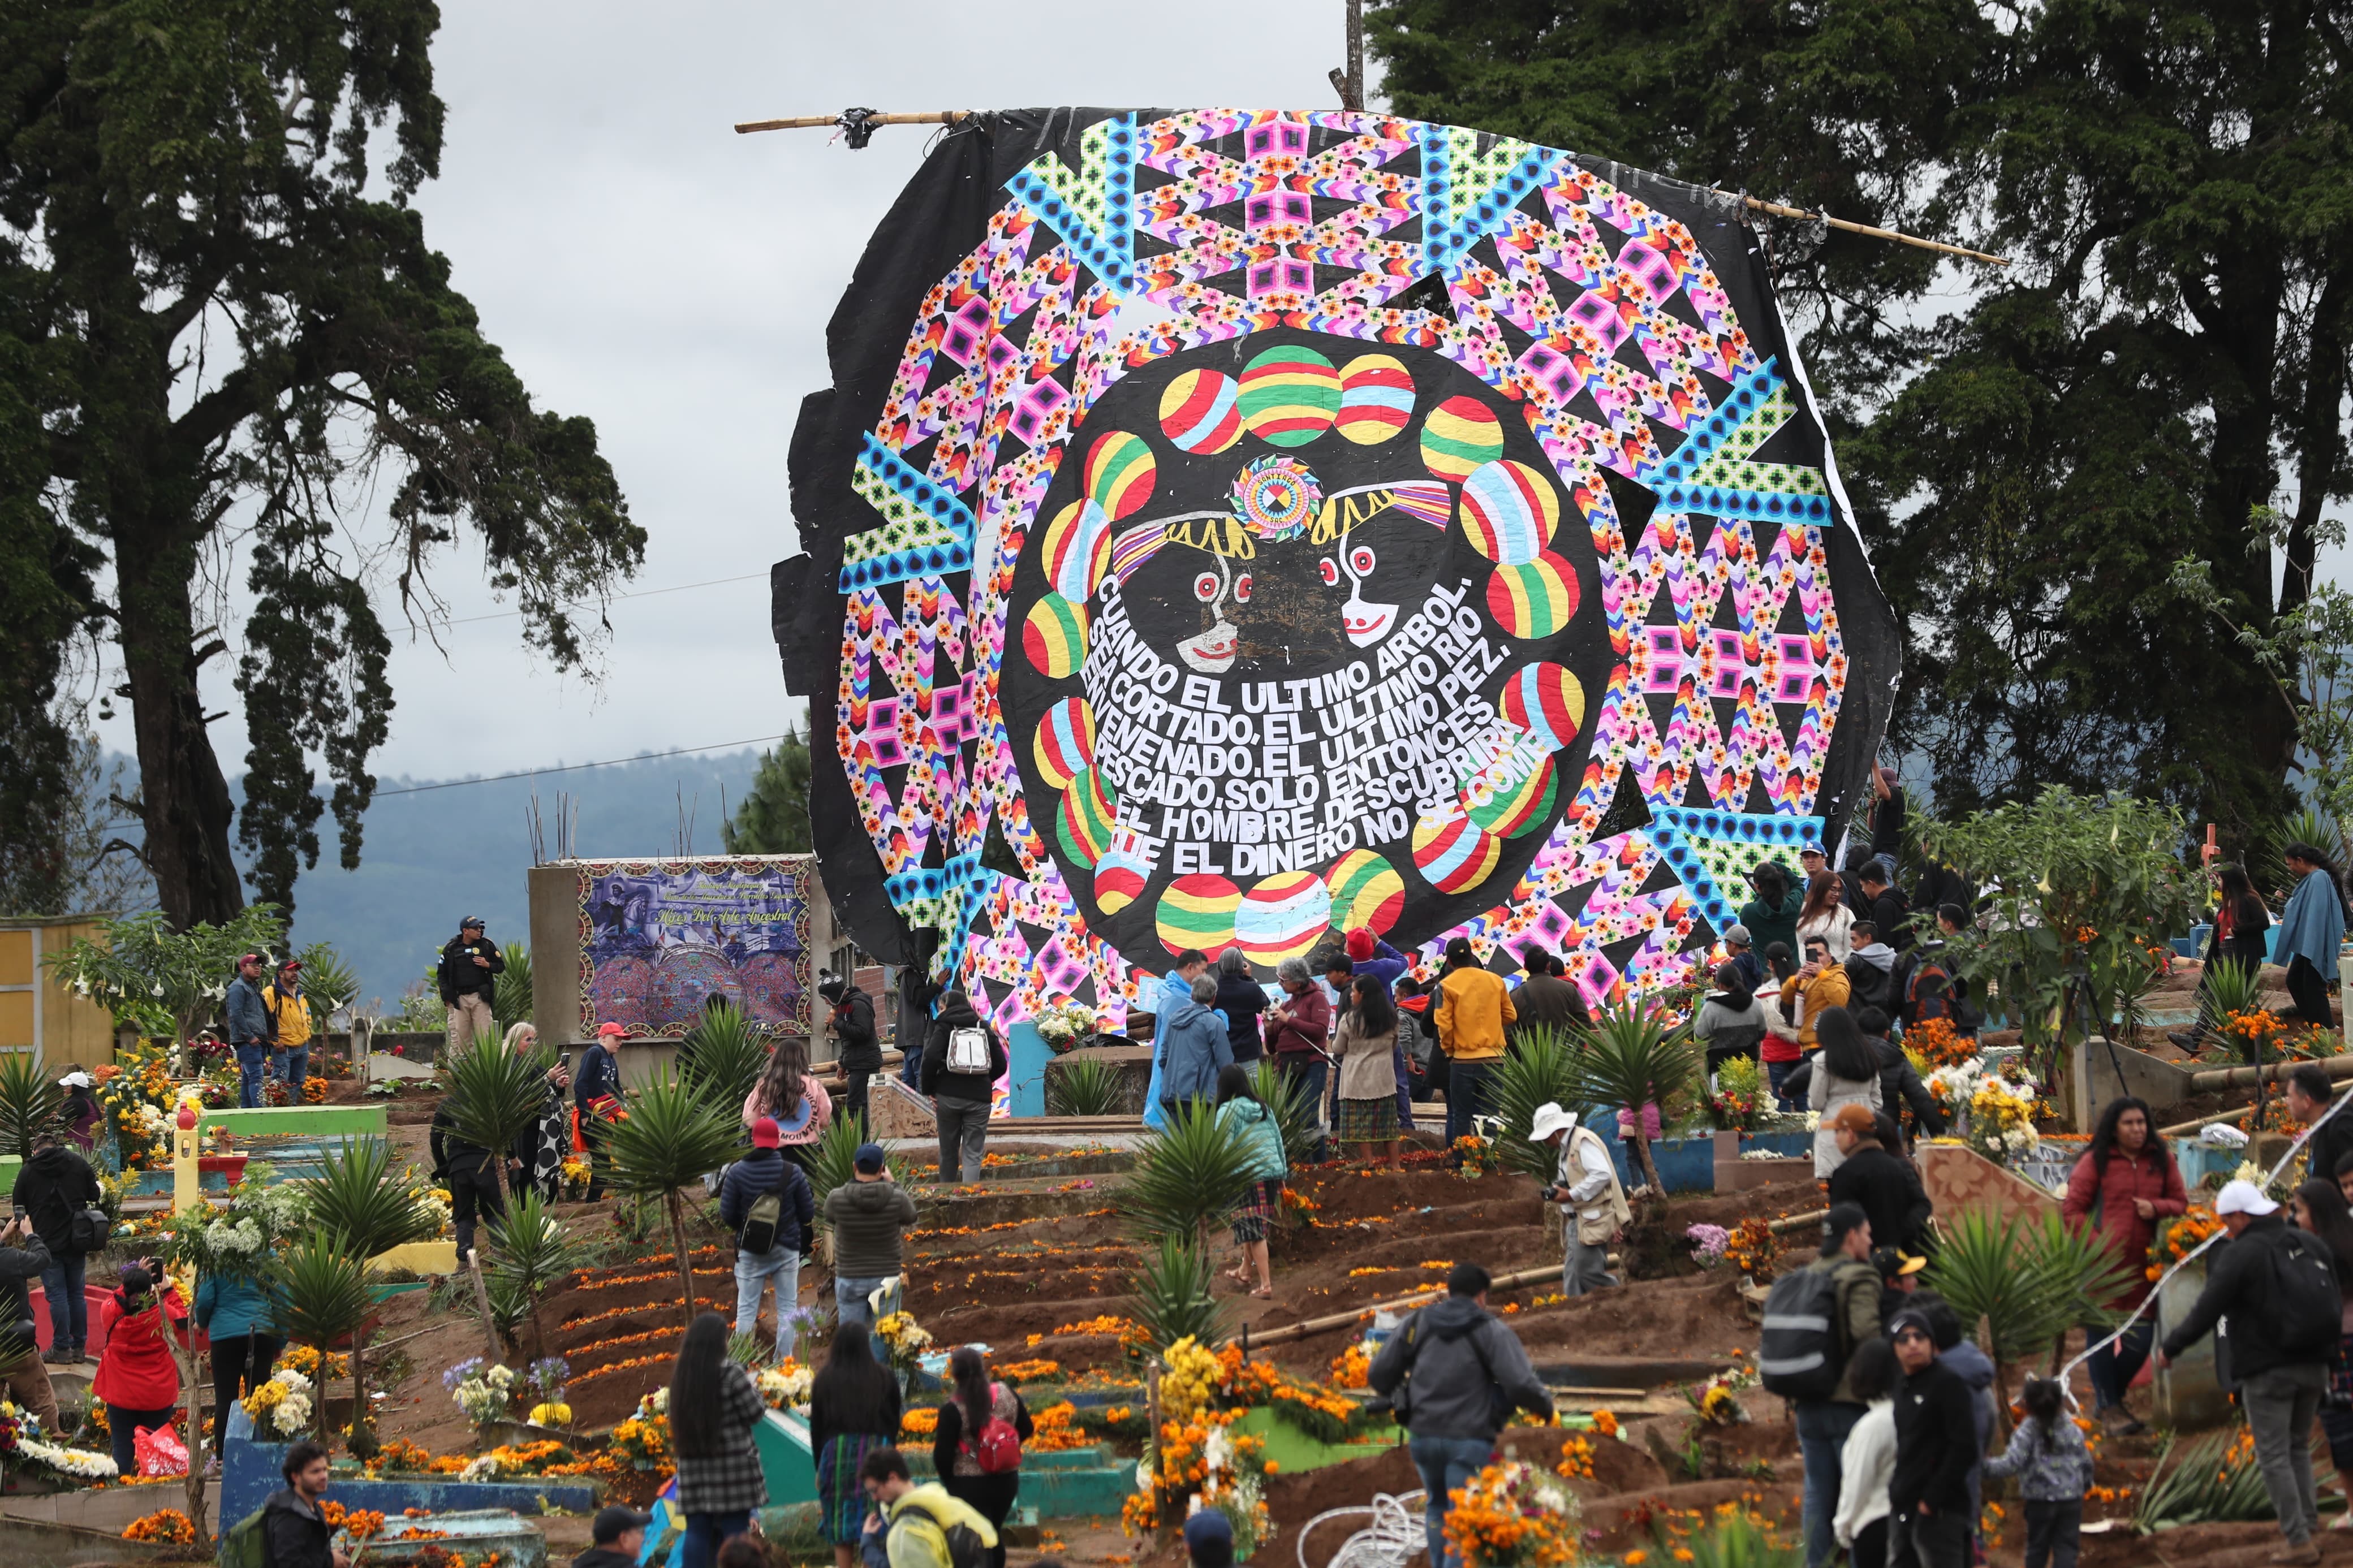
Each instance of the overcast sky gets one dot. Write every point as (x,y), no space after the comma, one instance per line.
(641,264)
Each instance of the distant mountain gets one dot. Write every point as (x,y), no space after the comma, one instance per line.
(431,857)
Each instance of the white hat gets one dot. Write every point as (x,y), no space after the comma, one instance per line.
(2244,1197)
(75,1080)
(1549,1119)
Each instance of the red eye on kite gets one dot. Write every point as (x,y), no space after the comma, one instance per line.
(1330,571)
(1241,589)
(1360,560)
(1205,587)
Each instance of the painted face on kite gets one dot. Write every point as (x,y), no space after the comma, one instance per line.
(1327,664)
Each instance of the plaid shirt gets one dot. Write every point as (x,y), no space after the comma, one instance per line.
(733,1479)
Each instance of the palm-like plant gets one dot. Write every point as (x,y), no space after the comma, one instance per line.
(2028,1279)
(330,983)
(494,1096)
(833,1161)
(361,1206)
(511,995)
(1185,1176)
(2229,987)
(322,1289)
(1539,1069)
(1077,1087)
(1293,1111)
(671,1137)
(28,1102)
(1173,1296)
(1629,1058)
(534,1251)
(722,1056)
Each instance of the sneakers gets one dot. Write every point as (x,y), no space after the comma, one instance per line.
(2305,1553)
(57,1356)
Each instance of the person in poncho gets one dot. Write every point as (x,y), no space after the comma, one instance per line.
(2310,930)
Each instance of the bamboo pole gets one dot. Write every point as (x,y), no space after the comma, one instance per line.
(1755,204)
(1313,1326)
(2244,1078)
(1790,1222)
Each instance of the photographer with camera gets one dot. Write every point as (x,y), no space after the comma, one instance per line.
(23,1257)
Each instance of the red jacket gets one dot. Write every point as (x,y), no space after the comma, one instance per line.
(136,1370)
(2149,1175)
(1309,1028)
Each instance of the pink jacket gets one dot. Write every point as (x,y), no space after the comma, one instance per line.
(2149,1175)
(813,1129)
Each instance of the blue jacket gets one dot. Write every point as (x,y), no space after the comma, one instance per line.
(754,1176)
(230,1307)
(2311,925)
(599,1075)
(1193,1046)
(248,1020)
(1385,968)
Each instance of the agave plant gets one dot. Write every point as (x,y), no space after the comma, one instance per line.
(722,1056)
(534,1251)
(671,1137)
(2216,1481)
(29,1102)
(330,983)
(1629,1058)
(1077,1086)
(1185,1176)
(494,1096)
(1294,1112)
(1173,1296)
(1539,1069)
(322,1290)
(2229,987)
(2027,1279)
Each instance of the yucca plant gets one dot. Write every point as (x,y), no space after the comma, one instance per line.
(1079,1087)
(2028,1279)
(494,1096)
(833,1161)
(534,1251)
(723,1057)
(510,995)
(358,1199)
(1294,1112)
(1539,1069)
(29,1102)
(1173,1294)
(1629,1058)
(671,1137)
(2216,1481)
(331,984)
(323,1291)
(1188,1175)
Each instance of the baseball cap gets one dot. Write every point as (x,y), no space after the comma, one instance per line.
(1814,847)
(1549,1119)
(613,1522)
(290,963)
(1738,933)
(75,1080)
(261,958)
(869,1158)
(1856,1118)
(613,1029)
(765,1133)
(472,922)
(1209,1537)
(1913,1318)
(2244,1197)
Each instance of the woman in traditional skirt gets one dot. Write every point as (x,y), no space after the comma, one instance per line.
(1367,1077)
(853,1410)
(536,1160)
(1242,1112)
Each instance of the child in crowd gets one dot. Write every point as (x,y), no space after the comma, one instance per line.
(2048,1454)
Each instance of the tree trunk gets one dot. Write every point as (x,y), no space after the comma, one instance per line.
(1643,1158)
(685,1264)
(185,801)
(364,1445)
(186,1354)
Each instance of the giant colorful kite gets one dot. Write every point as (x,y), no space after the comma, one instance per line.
(1272,521)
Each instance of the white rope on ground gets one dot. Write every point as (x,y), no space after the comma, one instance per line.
(1395,1534)
(2147,1302)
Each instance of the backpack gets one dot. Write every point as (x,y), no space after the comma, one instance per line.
(2305,1305)
(765,1218)
(1401,1402)
(967,1050)
(997,1448)
(965,1549)
(1801,1356)
(1928,993)
(86,1229)
(244,1544)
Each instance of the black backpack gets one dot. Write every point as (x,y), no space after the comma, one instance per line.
(1803,1353)
(2306,1306)
(765,1218)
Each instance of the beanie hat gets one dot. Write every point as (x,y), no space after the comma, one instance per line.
(1360,944)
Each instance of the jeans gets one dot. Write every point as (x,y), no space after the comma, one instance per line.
(293,1065)
(1937,1541)
(753,1272)
(121,1429)
(1775,1072)
(472,1191)
(2281,1406)
(849,1295)
(1305,1071)
(2052,1532)
(705,1533)
(1822,1428)
(61,1282)
(2114,1368)
(1466,1097)
(1404,1083)
(1446,1464)
(241,1366)
(1584,1268)
(964,1132)
(252,1065)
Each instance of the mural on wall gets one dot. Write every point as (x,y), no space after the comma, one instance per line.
(660,937)
(1272,523)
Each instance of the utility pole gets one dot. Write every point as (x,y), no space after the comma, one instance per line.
(1349,82)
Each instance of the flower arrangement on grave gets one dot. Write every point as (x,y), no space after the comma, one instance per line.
(167,1526)
(139,1103)
(543,1384)
(1515,1516)
(1737,1098)
(644,1438)
(785,1387)
(2001,1118)
(239,1236)
(903,1342)
(480,1389)
(1717,1401)
(282,1404)
(1352,1368)
(1708,1244)
(1202,1464)
(1752,1248)
(571,1177)
(1065,1026)
(1479,1156)
(1936,1042)
(23,1444)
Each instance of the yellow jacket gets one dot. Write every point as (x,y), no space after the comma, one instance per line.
(1826,990)
(918,1524)
(292,1015)
(1473,1006)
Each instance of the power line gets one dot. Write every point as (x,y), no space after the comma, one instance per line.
(641,594)
(575,767)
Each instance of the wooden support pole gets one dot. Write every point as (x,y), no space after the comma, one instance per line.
(2244,1078)
(1777,210)
(817,121)
(1790,1222)
(1313,1326)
